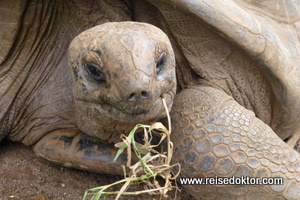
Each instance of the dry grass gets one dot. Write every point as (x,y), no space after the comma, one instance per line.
(151,163)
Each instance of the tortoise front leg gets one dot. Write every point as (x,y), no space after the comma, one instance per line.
(216,137)
(72,148)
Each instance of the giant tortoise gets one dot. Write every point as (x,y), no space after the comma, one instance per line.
(236,67)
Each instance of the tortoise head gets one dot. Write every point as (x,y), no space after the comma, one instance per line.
(120,71)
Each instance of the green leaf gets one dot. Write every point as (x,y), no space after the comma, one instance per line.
(97,196)
(121,149)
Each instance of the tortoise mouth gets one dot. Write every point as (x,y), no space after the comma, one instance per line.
(134,110)
(123,114)
(128,109)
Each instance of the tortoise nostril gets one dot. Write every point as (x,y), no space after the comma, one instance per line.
(136,96)
(144,95)
(131,97)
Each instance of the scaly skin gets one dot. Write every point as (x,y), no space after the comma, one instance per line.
(214,136)
(72,148)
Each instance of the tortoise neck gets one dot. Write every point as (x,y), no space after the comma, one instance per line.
(48,107)
(36,88)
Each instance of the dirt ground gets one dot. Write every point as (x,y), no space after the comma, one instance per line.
(24,176)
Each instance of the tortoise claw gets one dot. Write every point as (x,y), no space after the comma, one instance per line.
(74,149)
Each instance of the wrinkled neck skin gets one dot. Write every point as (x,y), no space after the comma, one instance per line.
(35,84)
(43,104)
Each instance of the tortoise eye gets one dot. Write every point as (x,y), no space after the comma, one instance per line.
(160,65)
(94,72)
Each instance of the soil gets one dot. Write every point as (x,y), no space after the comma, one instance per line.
(25,176)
